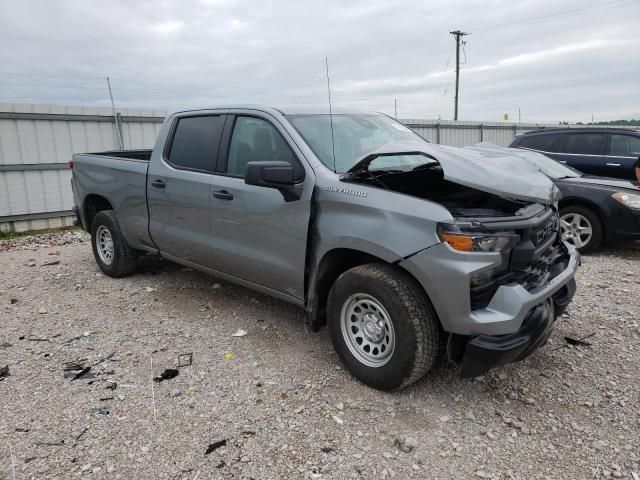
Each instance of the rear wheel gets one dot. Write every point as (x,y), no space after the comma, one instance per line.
(383,326)
(581,227)
(113,254)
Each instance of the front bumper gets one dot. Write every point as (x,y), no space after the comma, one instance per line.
(444,274)
(484,352)
(623,224)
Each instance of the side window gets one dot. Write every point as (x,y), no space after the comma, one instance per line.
(545,143)
(625,146)
(256,140)
(584,143)
(195,143)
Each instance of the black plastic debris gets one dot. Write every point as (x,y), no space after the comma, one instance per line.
(185,359)
(327,449)
(81,373)
(214,446)
(578,342)
(14,301)
(168,374)
(4,372)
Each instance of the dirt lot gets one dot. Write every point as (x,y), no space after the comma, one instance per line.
(278,396)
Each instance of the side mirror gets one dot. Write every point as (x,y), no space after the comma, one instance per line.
(269,174)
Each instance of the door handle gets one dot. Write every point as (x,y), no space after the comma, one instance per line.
(223,195)
(613,164)
(158,183)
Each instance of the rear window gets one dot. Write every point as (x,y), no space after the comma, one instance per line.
(585,143)
(195,143)
(624,146)
(544,143)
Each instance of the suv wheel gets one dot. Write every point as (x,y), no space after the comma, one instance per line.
(581,227)
(383,326)
(113,254)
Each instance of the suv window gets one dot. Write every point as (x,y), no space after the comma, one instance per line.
(625,146)
(256,140)
(545,143)
(584,143)
(195,142)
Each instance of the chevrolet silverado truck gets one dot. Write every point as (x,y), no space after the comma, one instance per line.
(410,252)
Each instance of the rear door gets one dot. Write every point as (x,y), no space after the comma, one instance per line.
(585,151)
(623,155)
(259,236)
(179,187)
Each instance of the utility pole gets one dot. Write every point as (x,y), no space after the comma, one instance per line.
(395,104)
(458,35)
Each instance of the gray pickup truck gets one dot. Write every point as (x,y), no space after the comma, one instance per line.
(410,252)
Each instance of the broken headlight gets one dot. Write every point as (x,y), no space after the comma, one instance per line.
(469,239)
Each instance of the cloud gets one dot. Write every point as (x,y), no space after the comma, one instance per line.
(168,27)
(163,54)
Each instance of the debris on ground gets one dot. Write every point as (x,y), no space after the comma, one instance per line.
(579,342)
(81,373)
(185,359)
(4,372)
(228,356)
(240,333)
(405,445)
(51,263)
(168,374)
(214,446)
(6,345)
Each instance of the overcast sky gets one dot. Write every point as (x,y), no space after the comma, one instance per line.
(555,60)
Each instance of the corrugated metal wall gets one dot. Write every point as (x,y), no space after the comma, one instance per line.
(37,141)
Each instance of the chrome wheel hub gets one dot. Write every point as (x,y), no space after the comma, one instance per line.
(104,245)
(367,330)
(576,229)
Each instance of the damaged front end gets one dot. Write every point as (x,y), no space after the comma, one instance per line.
(502,274)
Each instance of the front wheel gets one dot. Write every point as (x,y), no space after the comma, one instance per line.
(383,326)
(581,227)
(113,254)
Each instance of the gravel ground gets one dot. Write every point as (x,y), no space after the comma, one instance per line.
(276,403)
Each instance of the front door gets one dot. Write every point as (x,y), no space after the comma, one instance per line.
(179,187)
(259,236)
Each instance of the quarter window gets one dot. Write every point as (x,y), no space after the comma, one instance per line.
(625,146)
(544,143)
(195,142)
(256,140)
(585,143)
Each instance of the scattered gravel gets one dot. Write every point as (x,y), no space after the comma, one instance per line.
(83,350)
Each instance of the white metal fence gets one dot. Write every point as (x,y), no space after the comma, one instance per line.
(37,141)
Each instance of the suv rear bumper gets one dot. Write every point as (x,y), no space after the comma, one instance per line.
(484,352)
(445,274)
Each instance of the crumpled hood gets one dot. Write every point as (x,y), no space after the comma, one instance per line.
(477,168)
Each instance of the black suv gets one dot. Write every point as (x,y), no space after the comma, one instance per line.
(608,152)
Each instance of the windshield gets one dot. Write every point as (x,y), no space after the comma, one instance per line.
(354,136)
(548,166)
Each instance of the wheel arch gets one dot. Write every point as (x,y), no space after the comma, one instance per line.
(94,203)
(333,264)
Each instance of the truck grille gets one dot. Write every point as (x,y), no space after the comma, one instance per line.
(531,275)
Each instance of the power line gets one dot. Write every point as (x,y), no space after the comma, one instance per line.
(557,15)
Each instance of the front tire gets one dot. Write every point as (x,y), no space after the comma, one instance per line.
(113,254)
(581,227)
(383,326)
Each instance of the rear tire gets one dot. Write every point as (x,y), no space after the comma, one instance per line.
(574,219)
(383,326)
(113,254)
